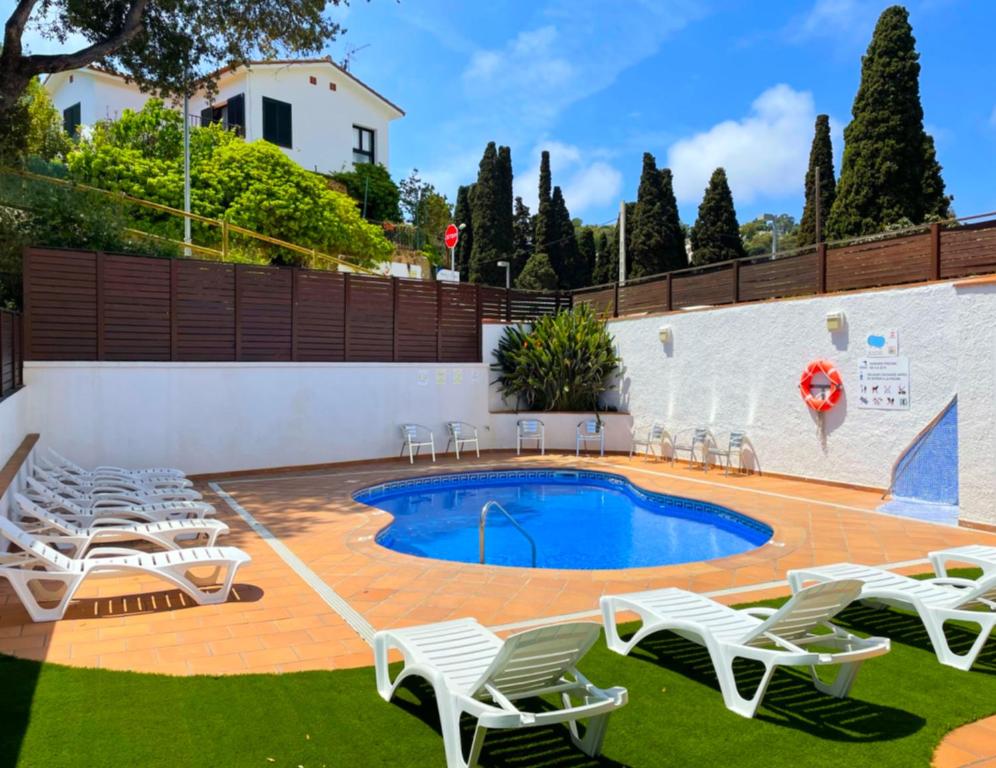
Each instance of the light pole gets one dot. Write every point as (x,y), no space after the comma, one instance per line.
(508,273)
(774,232)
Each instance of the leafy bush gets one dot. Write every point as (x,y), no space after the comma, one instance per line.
(563,363)
(372,182)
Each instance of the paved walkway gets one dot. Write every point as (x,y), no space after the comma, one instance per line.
(971,746)
(319,585)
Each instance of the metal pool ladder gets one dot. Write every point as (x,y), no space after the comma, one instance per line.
(484,519)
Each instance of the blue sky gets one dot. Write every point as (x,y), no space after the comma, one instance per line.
(699,84)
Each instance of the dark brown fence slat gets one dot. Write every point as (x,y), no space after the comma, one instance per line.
(321,305)
(968,250)
(709,287)
(371,325)
(458,323)
(416,321)
(61,294)
(779,278)
(135,308)
(205,311)
(884,262)
(265,320)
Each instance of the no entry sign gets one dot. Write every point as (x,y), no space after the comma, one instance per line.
(452,236)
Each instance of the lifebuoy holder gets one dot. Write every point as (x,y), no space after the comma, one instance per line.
(825,397)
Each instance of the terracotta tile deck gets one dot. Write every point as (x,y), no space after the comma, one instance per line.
(275,621)
(971,746)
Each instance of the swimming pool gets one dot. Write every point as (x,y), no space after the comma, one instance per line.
(577,518)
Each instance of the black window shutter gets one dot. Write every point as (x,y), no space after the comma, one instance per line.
(277,122)
(237,114)
(207,115)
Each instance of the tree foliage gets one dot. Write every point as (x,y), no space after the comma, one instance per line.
(492,223)
(658,243)
(371,186)
(889,171)
(463,215)
(522,233)
(606,268)
(563,249)
(565,362)
(586,256)
(716,234)
(544,225)
(44,137)
(161,44)
(821,156)
(757,235)
(253,185)
(537,275)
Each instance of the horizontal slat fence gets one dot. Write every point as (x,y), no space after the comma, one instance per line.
(11,352)
(85,305)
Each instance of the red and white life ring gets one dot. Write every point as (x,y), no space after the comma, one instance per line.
(826,399)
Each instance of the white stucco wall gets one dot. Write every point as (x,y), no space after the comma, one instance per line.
(217,417)
(101,96)
(739,367)
(13,428)
(977,402)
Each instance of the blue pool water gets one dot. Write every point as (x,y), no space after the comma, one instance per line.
(579,519)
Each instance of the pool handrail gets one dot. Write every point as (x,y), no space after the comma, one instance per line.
(484,518)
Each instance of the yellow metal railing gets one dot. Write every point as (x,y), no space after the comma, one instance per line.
(226,228)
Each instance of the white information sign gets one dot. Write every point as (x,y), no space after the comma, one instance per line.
(883,344)
(884,383)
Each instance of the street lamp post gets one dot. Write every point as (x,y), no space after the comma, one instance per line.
(774,232)
(508,273)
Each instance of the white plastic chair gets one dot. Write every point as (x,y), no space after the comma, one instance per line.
(474,672)
(653,443)
(735,446)
(416,437)
(935,601)
(590,431)
(53,529)
(462,434)
(34,570)
(978,555)
(698,439)
(774,637)
(532,430)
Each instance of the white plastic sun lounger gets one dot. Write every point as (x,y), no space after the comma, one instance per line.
(130,495)
(54,529)
(474,672)
(82,513)
(60,461)
(774,637)
(974,554)
(146,483)
(935,601)
(32,571)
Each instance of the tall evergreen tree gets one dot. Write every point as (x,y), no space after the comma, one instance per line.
(820,156)
(544,225)
(606,261)
(463,214)
(657,243)
(537,275)
(522,233)
(889,173)
(491,243)
(586,257)
(563,249)
(716,234)
(506,201)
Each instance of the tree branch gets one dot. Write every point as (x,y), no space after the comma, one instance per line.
(15,27)
(60,62)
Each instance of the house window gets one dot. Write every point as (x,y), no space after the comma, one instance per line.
(71,119)
(277,122)
(363,145)
(231,114)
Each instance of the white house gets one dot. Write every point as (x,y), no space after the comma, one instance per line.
(323,117)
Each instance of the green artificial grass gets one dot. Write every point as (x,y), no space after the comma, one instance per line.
(900,708)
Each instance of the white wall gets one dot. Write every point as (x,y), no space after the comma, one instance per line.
(739,367)
(977,402)
(101,96)
(13,428)
(217,417)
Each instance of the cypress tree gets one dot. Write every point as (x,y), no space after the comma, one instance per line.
(674,234)
(563,249)
(606,261)
(522,231)
(506,201)
(820,156)
(487,248)
(586,257)
(657,242)
(463,214)
(889,173)
(716,234)
(537,275)
(544,225)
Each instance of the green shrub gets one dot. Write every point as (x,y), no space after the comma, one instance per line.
(563,363)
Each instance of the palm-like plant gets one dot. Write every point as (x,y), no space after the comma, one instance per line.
(563,363)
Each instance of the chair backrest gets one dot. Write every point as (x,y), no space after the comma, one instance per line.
(54,498)
(537,658)
(31,510)
(460,428)
(36,549)
(61,462)
(807,609)
(414,432)
(700,435)
(530,426)
(736,440)
(590,427)
(656,433)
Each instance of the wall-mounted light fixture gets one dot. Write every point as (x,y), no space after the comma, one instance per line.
(664,334)
(835,321)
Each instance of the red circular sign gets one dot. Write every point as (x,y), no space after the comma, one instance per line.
(452,235)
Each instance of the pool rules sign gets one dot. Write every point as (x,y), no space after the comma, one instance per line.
(884,383)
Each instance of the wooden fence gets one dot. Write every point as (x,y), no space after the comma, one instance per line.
(942,252)
(86,305)
(11,353)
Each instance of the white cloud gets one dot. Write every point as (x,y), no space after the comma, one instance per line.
(846,22)
(585,176)
(594,185)
(764,154)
